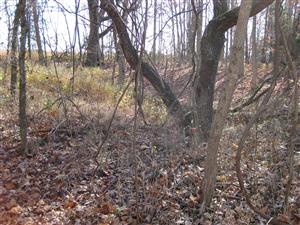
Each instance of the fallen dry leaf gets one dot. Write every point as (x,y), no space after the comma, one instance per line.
(17,210)
(69,204)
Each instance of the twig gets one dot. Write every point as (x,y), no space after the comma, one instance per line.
(47,107)
(193,59)
(253,98)
(109,125)
(294,120)
(263,106)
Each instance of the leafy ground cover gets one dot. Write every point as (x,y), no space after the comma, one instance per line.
(147,175)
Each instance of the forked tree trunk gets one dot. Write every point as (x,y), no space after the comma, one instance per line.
(233,73)
(212,43)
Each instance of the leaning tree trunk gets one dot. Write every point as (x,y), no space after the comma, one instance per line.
(131,55)
(37,31)
(93,47)
(212,43)
(22,97)
(13,52)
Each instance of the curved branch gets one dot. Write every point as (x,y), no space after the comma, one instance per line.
(229,18)
(263,106)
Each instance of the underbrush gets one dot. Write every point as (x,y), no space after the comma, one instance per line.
(63,181)
(89,86)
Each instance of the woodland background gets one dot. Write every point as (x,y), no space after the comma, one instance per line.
(149,112)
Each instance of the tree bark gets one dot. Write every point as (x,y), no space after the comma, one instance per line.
(7,59)
(13,53)
(264,45)
(154,33)
(254,55)
(199,31)
(131,55)
(119,58)
(173,31)
(22,96)
(212,43)
(236,58)
(28,14)
(190,32)
(37,32)
(246,50)
(93,47)
(120,55)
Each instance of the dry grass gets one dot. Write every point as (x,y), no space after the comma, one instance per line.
(93,92)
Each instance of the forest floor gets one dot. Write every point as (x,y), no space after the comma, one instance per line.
(143,175)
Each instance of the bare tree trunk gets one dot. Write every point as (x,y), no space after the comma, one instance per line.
(22,97)
(246,50)
(44,40)
(178,46)
(264,45)
(173,31)
(212,43)
(181,33)
(184,47)
(37,31)
(77,4)
(9,34)
(154,33)
(232,4)
(236,58)
(160,36)
(28,14)
(119,58)
(199,31)
(289,14)
(226,49)
(189,26)
(254,54)
(294,112)
(93,47)
(13,53)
